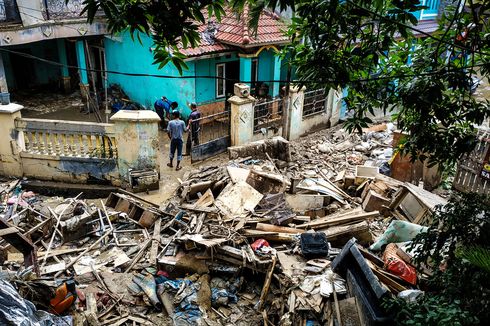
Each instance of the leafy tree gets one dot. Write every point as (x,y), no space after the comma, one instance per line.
(368,46)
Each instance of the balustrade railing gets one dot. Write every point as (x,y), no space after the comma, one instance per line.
(68,138)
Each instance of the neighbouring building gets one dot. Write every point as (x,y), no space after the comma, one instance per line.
(227,49)
(50,30)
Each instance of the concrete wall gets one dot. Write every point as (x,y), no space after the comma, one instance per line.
(56,150)
(124,54)
(206,87)
(42,73)
(51,31)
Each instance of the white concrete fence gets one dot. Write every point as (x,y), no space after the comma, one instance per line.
(81,152)
(77,152)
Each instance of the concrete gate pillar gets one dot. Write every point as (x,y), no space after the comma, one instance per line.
(137,140)
(11,141)
(242,120)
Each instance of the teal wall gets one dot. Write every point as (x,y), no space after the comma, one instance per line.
(131,56)
(266,66)
(206,87)
(43,73)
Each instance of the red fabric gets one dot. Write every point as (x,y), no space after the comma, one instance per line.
(259,244)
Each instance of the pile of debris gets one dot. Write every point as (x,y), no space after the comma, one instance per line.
(246,243)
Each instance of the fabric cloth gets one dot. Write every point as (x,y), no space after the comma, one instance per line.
(176,145)
(176,129)
(162,105)
(195,116)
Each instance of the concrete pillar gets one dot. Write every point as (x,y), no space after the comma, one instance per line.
(4,90)
(82,65)
(296,98)
(137,140)
(276,75)
(12,141)
(246,70)
(65,75)
(242,120)
(335,103)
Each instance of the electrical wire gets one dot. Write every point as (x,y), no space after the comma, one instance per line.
(394,77)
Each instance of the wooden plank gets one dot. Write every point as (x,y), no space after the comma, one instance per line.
(49,269)
(155,241)
(346,219)
(278,229)
(267,283)
(8,230)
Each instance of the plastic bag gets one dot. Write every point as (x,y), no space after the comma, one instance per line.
(14,310)
(395,265)
(398,231)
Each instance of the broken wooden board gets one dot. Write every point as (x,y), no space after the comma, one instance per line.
(199,239)
(206,200)
(347,218)
(237,199)
(342,233)
(237,174)
(278,229)
(374,201)
(49,269)
(302,203)
(269,236)
(291,264)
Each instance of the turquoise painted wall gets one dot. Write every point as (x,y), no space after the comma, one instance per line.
(266,62)
(131,56)
(206,87)
(45,73)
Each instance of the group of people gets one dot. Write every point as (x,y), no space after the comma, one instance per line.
(170,121)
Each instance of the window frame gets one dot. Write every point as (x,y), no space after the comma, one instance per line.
(222,81)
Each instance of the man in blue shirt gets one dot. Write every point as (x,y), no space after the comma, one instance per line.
(194,128)
(175,131)
(163,107)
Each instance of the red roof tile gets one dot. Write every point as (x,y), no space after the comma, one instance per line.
(233,30)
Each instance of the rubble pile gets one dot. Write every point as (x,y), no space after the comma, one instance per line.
(338,152)
(251,242)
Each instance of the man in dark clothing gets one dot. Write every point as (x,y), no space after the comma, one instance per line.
(193,126)
(175,130)
(163,107)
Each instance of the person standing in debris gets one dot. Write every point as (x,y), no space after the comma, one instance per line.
(163,107)
(175,130)
(193,126)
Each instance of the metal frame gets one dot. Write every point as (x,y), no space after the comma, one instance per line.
(223,81)
(264,115)
(312,99)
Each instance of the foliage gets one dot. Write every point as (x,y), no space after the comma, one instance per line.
(370,47)
(459,284)
(430,310)
(167,22)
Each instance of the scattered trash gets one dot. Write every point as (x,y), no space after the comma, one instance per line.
(276,236)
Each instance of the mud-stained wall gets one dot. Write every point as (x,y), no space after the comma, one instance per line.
(137,140)
(70,169)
